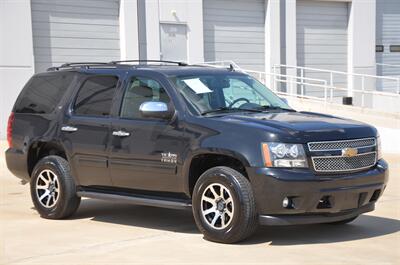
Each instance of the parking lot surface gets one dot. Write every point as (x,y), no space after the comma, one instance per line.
(110,233)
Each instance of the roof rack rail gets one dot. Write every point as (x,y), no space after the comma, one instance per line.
(150,61)
(109,64)
(76,64)
(82,64)
(227,64)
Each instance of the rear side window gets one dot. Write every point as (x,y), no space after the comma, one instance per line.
(95,96)
(43,93)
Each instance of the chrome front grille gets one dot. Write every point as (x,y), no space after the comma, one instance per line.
(329,161)
(343,164)
(338,145)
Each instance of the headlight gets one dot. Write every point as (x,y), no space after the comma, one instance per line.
(284,155)
(378,147)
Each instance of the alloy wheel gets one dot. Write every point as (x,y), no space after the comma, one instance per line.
(217,206)
(47,188)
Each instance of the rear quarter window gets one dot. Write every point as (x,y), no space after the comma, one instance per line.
(43,93)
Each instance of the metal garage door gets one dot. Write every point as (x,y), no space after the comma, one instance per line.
(74,30)
(388,35)
(234,30)
(322,37)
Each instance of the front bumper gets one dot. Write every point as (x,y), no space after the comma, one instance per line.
(302,219)
(315,198)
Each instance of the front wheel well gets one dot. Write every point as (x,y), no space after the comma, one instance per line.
(38,150)
(203,162)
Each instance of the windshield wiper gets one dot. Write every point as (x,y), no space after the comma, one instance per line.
(259,109)
(271,107)
(227,109)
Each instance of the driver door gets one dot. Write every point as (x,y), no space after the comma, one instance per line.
(139,145)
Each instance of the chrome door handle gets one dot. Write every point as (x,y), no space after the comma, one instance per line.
(120,133)
(69,129)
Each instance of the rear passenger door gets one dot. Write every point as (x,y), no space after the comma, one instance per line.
(86,129)
(146,154)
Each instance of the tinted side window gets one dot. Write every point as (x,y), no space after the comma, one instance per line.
(140,90)
(95,96)
(43,93)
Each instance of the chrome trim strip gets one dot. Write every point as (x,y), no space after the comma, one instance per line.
(344,170)
(340,141)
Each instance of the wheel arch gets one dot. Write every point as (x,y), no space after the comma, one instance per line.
(203,160)
(40,148)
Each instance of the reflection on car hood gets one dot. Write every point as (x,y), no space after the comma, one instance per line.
(305,125)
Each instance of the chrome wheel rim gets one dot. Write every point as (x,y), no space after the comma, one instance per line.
(217,207)
(47,188)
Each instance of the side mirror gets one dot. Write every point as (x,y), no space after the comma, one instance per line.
(155,109)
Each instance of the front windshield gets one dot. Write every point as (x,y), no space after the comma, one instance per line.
(206,93)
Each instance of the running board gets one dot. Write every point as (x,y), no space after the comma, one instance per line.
(138,200)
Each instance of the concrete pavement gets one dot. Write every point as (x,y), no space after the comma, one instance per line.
(109,233)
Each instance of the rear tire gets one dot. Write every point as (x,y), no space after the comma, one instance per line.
(224,207)
(53,189)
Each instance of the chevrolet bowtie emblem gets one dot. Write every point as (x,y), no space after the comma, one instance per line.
(349,152)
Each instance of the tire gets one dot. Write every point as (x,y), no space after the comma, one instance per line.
(52,176)
(343,222)
(239,212)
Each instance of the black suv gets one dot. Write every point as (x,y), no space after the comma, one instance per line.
(213,140)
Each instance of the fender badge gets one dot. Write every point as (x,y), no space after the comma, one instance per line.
(169,158)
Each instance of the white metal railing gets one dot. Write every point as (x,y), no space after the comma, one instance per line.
(328,86)
(292,81)
(388,70)
(328,90)
(353,76)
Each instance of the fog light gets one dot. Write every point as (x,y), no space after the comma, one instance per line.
(287,203)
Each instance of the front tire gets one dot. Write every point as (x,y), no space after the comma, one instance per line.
(53,189)
(224,206)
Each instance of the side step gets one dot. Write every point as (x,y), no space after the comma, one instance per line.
(138,200)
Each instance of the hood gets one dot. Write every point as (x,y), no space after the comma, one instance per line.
(303,126)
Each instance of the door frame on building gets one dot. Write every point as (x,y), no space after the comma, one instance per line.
(186,37)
